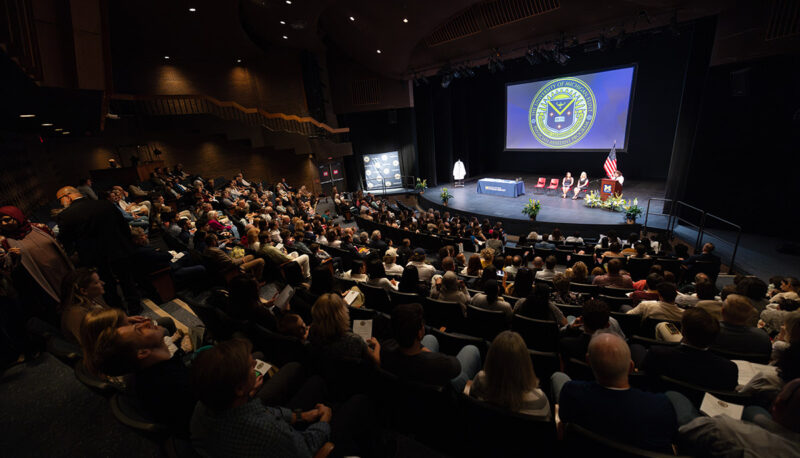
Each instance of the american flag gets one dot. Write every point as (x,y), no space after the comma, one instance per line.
(610,166)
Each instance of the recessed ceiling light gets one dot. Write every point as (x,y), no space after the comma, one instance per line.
(192,10)
(166,57)
(285,37)
(27,116)
(283,22)
(47,124)
(378,51)
(238,61)
(58,129)
(288,2)
(405,20)
(66,132)
(352,19)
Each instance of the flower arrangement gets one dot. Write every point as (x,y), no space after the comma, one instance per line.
(592,200)
(614,203)
(445,196)
(532,208)
(421,185)
(632,210)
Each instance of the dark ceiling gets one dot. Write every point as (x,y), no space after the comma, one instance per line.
(437,31)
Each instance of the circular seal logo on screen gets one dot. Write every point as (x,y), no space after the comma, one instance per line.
(562,112)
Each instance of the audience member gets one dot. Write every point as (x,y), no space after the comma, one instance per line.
(736,335)
(225,264)
(549,269)
(614,278)
(330,334)
(448,287)
(424,270)
(490,299)
(508,379)
(662,309)
(81,291)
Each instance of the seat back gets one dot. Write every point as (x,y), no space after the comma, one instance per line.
(545,364)
(639,267)
(553,183)
(672,265)
(563,256)
(616,292)
(486,423)
(578,370)
(580,441)
(758,358)
(376,298)
(696,393)
(567,309)
(446,314)
(129,411)
(614,302)
(277,348)
(450,343)
(540,335)
(628,323)
(485,323)
(584,288)
(541,182)
(398,298)
(587,259)
(544,252)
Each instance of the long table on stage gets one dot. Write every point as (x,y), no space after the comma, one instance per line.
(496,186)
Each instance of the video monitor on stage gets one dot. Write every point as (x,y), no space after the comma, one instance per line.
(382,171)
(588,111)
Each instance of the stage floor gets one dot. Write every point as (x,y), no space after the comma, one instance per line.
(555,210)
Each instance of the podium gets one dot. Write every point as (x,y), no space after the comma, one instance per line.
(608,188)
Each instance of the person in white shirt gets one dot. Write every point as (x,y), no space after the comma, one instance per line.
(662,309)
(575,238)
(425,271)
(549,269)
(389,263)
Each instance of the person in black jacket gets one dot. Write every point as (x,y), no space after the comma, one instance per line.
(147,259)
(691,361)
(97,232)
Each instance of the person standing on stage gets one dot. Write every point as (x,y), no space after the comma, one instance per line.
(618,177)
(566,183)
(583,182)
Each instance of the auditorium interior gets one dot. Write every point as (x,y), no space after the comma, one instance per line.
(399,228)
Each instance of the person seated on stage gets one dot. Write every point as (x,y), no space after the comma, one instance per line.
(618,177)
(583,183)
(691,362)
(566,183)
(549,269)
(614,278)
(575,238)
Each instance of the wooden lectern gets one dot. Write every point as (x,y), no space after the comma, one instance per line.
(608,188)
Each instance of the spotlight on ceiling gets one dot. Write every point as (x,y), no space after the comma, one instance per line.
(285,37)
(58,129)
(288,2)
(283,22)
(166,57)
(66,132)
(27,116)
(47,124)
(378,51)
(352,19)
(238,61)
(192,10)
(405,20)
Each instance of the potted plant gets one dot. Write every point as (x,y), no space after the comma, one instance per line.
(632,211)
(421,185)
(592,200)
(445,196)
(532,209)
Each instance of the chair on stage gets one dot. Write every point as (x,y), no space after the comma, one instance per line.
(540,184)
(553,184)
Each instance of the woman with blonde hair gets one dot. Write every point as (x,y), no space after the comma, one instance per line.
(81,291)
(330,334)
(508,379)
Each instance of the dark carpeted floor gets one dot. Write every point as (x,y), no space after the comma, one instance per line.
(46,411)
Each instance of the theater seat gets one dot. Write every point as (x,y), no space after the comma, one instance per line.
(553,184)
(129,412)
(582,442)
(540,184)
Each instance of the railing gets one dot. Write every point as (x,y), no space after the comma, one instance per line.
(175,105)
(678,214)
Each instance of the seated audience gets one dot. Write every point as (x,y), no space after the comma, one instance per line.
(662,309)
(561,293)
(575,338)
(736,334)
(707,301)
(246,304)
(448,287)
(650,293)
(424,270)
(474,267)
(549,269)
(508,380)
(331,337)
(580,272)
(614,278)
(415,356)
(538,306)
(377,275)
(410,282)
(776,313)
(390,263)
(224,263)
(358,272)
(691,362)
(609,406)
(788,290)
(279,257)
(523,285)
(81,291)
(490,299)
(754,289)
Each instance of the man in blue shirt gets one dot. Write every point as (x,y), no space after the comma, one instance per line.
(609,406)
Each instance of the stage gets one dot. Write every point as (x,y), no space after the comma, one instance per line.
(566,214)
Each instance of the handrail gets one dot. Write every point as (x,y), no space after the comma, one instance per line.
(237,106)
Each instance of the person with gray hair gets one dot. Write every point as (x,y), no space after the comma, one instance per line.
(609,406)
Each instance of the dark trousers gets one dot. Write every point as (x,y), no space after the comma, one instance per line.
(113,271)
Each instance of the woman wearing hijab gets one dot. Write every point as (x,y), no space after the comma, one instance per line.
(36,261)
